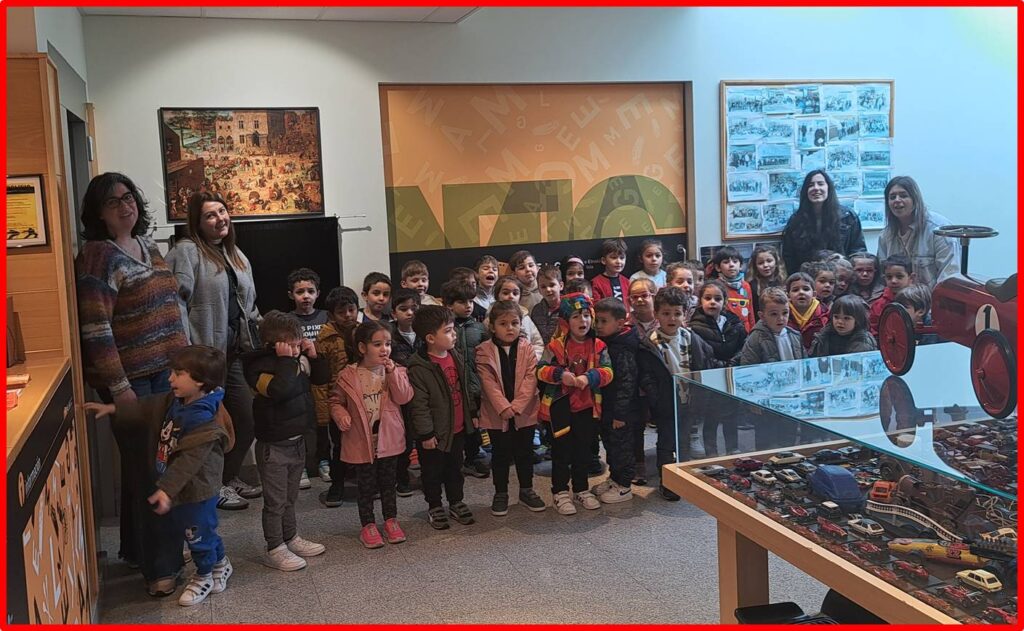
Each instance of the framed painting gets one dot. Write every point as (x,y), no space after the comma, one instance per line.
(264,162)
(26,212)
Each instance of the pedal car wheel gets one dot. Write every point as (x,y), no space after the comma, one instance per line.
(994,373)
(896,339)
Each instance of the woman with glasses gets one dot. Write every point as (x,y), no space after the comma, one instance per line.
(216,284)
(909,230)
(131,320)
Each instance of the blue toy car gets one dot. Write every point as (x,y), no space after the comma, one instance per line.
(838,485)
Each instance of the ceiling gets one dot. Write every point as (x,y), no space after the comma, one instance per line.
(437,15)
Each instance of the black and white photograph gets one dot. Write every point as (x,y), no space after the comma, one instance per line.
(843,128)
(873,97)
(775,157)
(779,129)
(843,401)
(745,129)
(874,366)
(745,187)
(742,158)
(846,369)
(744,218)
(874,126)
(875,153)
(841,155)
(871,213)
(811,132)
(811,159)
(870,393)
(776,215)
(778,101)
(838,99)
(784,184)
(875,181)
(847,183)
(817,371)
(744,100)
(759,379)
(807,99)
(812,405)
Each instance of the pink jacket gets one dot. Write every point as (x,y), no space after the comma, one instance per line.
(346,403)
(492,395)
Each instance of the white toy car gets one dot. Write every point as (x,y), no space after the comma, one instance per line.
(788,476)
(785,457)
(764,476)
(866,527)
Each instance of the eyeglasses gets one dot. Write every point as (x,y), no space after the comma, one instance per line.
(113,203)
(645,296)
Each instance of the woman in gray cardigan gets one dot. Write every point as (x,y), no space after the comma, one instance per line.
(909,227)
(215,282)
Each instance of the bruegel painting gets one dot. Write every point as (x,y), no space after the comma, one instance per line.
(264,162)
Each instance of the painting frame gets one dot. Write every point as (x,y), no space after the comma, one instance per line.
(300,197)
(32,218)
(751,104)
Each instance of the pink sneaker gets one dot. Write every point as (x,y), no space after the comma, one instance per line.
(370,536)
(393,531)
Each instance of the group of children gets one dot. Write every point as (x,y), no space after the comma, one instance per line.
(502,362)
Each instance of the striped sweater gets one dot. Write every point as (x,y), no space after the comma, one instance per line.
(128,311)
(549,372)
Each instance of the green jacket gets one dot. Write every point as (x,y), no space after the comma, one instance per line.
(469,335)
(431,411)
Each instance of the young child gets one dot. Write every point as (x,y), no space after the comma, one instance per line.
(468,336)
(765,269)
(574,368)
(641,302)
(508,288)
(468,276)
(868,283)
(486,275)
(404,344)
(846,332)
(669,350)
(651,256)
(524,266)
(573,268)
(280,376)
(579,286)
(304,289)
(545,313)
(508,405)
(844,276)
(772,339)
(365,404)
(917,300)
(683,275)
(189,460)
(806,314)
(415,275)
(824,275)
(727,265)
(899,274)
(611,283)
(441,413)
(332,345)
(376,295)
(620,409)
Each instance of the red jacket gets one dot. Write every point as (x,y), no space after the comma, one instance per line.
(810,328)
(602,285)
(876,309)
(740,303)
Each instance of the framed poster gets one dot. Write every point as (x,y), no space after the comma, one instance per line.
(774,132)
(26,214)
(264,162)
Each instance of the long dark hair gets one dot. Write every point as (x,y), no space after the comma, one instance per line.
(207,249)
(96,194)
(805,222)
(920,220)
(364,334)
(853,306)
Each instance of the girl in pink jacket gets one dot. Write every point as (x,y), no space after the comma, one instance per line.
(507,367)
(365,404)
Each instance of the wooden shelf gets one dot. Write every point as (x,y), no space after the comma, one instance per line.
(46,371)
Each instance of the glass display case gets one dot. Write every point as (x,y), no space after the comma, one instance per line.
(905,477)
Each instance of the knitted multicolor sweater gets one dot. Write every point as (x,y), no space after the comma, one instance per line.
(129,313)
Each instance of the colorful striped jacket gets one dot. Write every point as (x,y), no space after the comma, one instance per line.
(554,362)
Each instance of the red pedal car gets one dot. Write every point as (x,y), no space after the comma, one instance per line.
(970,310)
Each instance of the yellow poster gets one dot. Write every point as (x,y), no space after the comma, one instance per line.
(25,223)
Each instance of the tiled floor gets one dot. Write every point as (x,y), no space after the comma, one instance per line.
(645,561)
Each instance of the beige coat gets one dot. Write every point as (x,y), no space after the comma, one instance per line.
(492,398)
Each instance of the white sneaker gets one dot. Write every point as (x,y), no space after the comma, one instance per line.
(198,588)
(599,489)
(222,571)
(304,548)
(588,500)
(563,503)
(697,447)
(244,489)
(325,471)
(304,482)
(281,558)
(616,493)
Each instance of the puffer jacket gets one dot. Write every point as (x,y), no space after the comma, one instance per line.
(282,404)
(347,408)
(828,343)
(525,404)
(431,412)
(762,346)
(622,395)
(727,341)
(331,345)
(469,334)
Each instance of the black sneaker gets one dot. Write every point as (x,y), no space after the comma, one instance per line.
(476,468)
(639,481)
(461,513)
(667,494)
(438,518)
(532,501)
(403,490)
(499,505)
(332,498)
(596,467)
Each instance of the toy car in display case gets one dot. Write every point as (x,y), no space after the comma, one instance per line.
(913,571)
(830,509)
(739,481)
(747,464)
(852,453)
(804,468)
(827,456)
(712,470)
(798,512)
(831,529)
(981,579)
(838,485)
(785,457)
(939,551)
(997,615)
(960,596)
(788,476)
(867,549)
(763,476)
(866,527)
(768,496)
(882,491)
(1007,534)
(972,311)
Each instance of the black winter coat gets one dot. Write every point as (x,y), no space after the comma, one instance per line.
(620,398)
(800,239)
(726,342)
(282,404)
(401,349)
(656,378)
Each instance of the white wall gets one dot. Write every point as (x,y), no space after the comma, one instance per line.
(955,73)
(62,28)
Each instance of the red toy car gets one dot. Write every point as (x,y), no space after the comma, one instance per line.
(747,464)
(960,596)
(831,529)
(913,571)
(866,548)
(996,615)
(768,496)
(739,481)
(885,574)
(799,512)
(970,310)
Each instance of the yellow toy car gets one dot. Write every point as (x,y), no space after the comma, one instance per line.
(938,551)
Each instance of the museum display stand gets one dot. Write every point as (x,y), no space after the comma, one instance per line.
(51,547)
(898,492)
